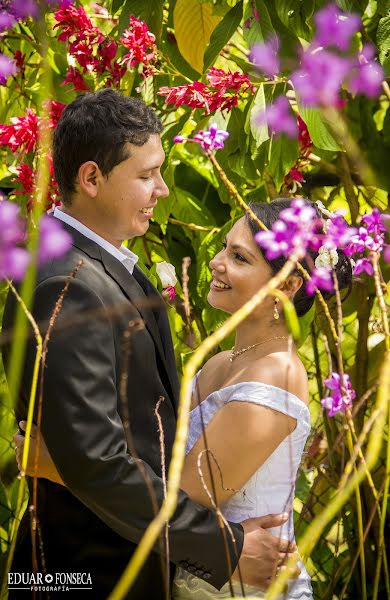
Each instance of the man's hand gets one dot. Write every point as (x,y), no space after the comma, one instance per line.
(263,554)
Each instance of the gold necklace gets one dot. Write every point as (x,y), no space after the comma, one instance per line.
(235,353)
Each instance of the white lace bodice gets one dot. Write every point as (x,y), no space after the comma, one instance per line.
(270,490)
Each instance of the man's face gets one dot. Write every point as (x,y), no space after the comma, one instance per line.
(127,196)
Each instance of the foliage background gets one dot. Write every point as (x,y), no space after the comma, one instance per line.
(191,36)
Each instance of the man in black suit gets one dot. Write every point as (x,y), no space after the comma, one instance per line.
(107,159)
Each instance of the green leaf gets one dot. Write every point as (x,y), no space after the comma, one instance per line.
(290,44)
(189,209)
(318,128)
(353,5)
(283,155)
(259,132)
(295,15)
(292,319)
(164,205)
(257,31)
(194,24)
(170,49)
(305,324)
(383,43)
(222,34)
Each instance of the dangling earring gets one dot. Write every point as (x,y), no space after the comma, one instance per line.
(276,312)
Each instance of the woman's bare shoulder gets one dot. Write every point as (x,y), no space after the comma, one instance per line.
(282,370)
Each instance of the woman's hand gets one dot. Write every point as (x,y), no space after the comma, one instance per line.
(46,468)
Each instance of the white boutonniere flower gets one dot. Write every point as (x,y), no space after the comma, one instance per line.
(327,257)
(167,275)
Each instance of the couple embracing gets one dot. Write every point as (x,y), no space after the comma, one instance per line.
(93,502)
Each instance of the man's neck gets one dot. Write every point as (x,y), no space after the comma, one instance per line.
(85,220)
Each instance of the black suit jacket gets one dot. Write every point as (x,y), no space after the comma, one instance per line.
(94,524)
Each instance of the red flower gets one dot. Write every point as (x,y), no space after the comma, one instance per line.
(55,111)
(26,178)
(294,177)
(141,43)
(19,59)
(227,81)
(223,93)
(76,79)
(196,95)
(304,139)
(73,21)
(22,135)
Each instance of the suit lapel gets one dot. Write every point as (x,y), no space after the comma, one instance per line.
(130,287)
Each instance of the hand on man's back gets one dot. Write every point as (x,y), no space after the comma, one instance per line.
(263,554)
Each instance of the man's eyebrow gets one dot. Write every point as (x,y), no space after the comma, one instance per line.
(153,167)
(238,247)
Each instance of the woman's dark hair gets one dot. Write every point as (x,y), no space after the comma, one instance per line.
(268,214)
(97,126)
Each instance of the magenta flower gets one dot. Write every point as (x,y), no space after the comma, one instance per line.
(279,118)
(335,28)
(7,68)
(54,241)
(341,394)
(293,232)
(13,259)
(363,265)
(211,139)
(364,241)
(318,82)
(320,279)
(169,293)
(6,20)
(374,221)
(338,233)
(367,75)
(265,56)
(25,8)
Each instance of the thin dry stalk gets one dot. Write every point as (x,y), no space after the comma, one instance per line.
(164,479)
(34,507)
(132,327)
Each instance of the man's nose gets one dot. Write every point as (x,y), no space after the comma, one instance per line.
(162,189)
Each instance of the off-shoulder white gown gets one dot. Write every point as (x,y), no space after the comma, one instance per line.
(270,490)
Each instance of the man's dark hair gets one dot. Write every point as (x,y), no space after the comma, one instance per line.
(97,126)
(268,213)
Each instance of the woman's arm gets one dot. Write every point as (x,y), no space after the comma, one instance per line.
(240,437)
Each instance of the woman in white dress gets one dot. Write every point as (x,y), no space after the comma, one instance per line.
(252,401)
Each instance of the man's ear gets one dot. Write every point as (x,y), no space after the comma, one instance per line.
(88,178)
(292,284)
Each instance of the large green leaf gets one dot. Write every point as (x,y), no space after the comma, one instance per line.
(283,155)
(194,24)
(318,128)
(353,5)
(259,28)
(259,131)
(295,16)
(289,41)
(222,34)
(189,209)
(383,42)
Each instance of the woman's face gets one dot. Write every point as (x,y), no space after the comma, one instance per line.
(239,271)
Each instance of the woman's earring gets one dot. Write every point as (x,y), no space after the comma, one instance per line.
(276,312)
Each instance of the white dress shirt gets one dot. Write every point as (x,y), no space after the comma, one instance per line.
(123,254)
